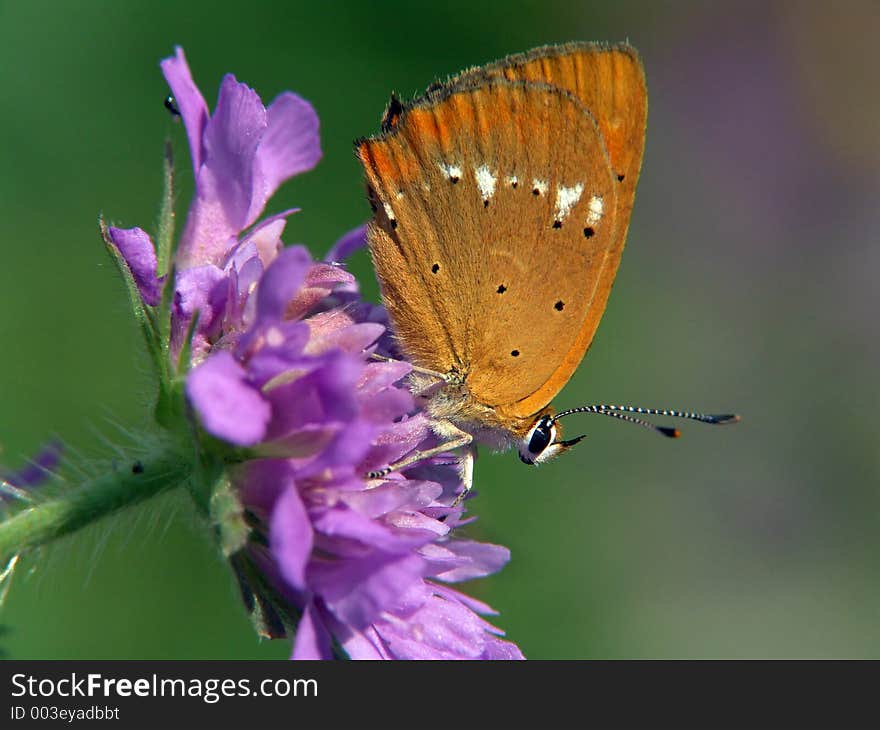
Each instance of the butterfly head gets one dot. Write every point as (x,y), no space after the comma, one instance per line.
(542,441)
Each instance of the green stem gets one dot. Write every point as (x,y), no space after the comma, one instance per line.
(126,485)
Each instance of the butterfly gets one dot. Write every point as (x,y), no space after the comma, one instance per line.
(501,201)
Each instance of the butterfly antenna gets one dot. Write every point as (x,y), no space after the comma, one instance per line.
(623,413)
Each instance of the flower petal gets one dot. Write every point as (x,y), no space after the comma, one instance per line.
(344,451)
(345,523)
(321,281)
(440,629)
(312,640)
(363,646)
(352,241)
(380,375)
(354,338)
(396,441)
(324,395)
(380,500)
(228,407)
(472,603)
(224,182)
(197,291)
(479,559)
(290,536)
(139,253)
(497,649)
(358,591)
(289,146)
(276,355)
(192,106)
(266,235)
(412,521)
(201,290)
(281,282)
(328,276)
(260,483)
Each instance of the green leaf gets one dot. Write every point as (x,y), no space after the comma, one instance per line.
(165,234)
(227,515)
(165,257)
(271,616)
(170,412)
(183,358)
(164,317)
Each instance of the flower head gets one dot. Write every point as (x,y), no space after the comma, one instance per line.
(281,377)
(366,561)
(240,155)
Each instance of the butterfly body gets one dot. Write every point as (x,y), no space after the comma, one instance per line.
(453,403)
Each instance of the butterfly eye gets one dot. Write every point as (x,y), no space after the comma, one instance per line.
(542,437)
(538,444)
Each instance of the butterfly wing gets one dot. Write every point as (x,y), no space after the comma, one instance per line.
(498,223)
(609,80)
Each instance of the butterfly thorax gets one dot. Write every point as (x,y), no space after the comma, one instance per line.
(451,401)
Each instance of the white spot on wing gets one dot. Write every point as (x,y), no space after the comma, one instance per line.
(451,171)
(512,180)
(485,181)
(596,210)
(389,211)
(566,199)
(540,186)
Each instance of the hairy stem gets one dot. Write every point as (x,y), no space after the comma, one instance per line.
(126,485)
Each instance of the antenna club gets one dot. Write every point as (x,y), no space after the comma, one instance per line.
(672,433)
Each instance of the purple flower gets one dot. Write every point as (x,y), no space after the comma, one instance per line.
(368,562)
(139,253)
(280,369)
(241,154)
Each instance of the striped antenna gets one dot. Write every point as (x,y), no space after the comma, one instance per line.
(622,413)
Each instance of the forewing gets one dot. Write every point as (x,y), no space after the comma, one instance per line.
(609,80)
(495,226)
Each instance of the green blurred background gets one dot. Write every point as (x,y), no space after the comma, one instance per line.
(749,283)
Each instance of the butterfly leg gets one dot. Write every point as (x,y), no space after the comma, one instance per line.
(456,439)
(466,465)
(415,368)
(423,386)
